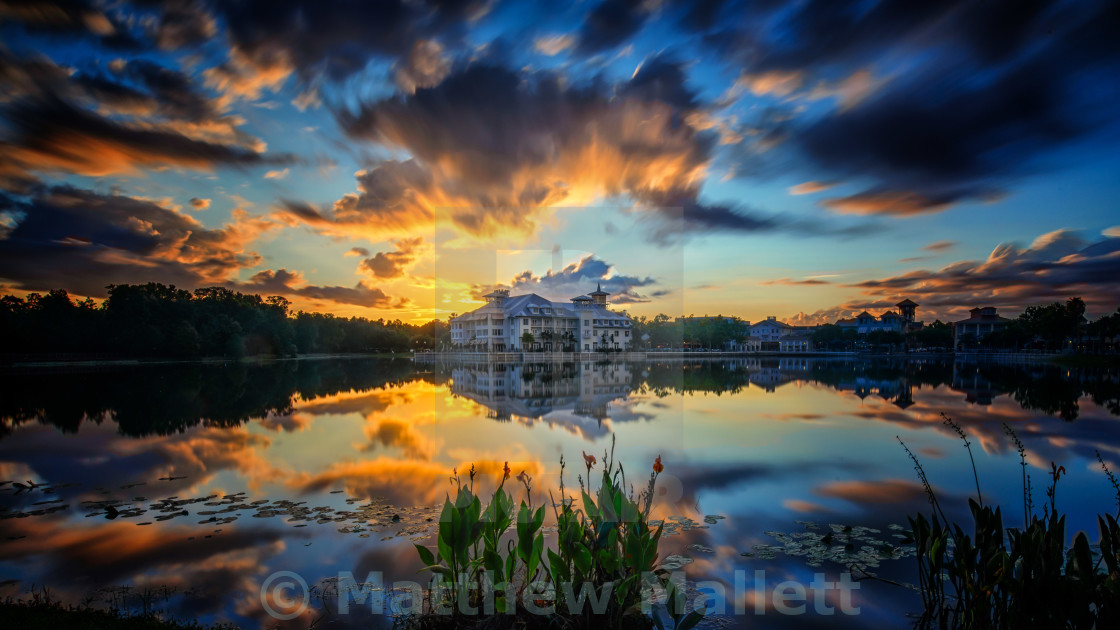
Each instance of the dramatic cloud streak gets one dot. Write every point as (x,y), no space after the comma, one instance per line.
(82,240)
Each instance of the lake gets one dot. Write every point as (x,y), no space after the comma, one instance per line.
(186,488)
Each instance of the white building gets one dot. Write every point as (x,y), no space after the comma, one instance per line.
(531,322)
(771,335)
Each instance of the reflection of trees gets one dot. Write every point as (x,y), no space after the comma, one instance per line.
(716,377)
(1051,389)
(167,399)
(148,400)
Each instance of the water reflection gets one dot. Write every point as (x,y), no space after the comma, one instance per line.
(534,390)
(205,478)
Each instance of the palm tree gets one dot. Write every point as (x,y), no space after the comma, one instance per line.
(527,340)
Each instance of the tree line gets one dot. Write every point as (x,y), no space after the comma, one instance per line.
(157,320)
(712,333)
(1058,326)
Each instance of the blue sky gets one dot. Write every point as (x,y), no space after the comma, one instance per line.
(398,159)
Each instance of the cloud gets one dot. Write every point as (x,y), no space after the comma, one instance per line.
(183,23)
(609,24)
(940,246)
(1056,266)
(492,147)
(809,188)
(292,284)
(553,45)
(140,116)
(778,83)
(424,67)
(277,174)
(990,91)
(792,282)
(81,240)
(200,203)
(357,251)
(317,40)
(392,264)
(240,77)
(898,203)
(578,278)
(82,18)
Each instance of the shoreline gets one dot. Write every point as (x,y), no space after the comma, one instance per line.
(4,364)
(1069,360)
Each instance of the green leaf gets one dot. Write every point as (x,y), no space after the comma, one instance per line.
(582,558)
(426,555)
(558,568)
(690,620)
(493,563)
(590,509)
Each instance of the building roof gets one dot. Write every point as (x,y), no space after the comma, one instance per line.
(983,319)
(599,290)
(773,322)
(890,314)
(907,302)
(982,315)
(865,314)
(520,306)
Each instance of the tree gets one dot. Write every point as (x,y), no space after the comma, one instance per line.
(527,340)
(936,335)
(1054,322)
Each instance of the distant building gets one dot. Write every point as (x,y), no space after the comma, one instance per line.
(901,321)
(771,335)
(981,322)
(585,324)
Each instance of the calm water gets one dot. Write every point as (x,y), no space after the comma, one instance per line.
(219,476)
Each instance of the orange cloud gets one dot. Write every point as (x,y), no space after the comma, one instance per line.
(809,188)
(890,203)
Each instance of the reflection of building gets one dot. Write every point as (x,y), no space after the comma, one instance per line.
(531,322)
(898,391)
(534,390)
(976,388)
(770,379)
(980,323)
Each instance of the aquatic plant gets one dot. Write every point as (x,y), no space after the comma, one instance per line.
(1001,577)
(605,550)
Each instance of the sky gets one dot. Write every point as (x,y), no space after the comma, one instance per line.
(401,158)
